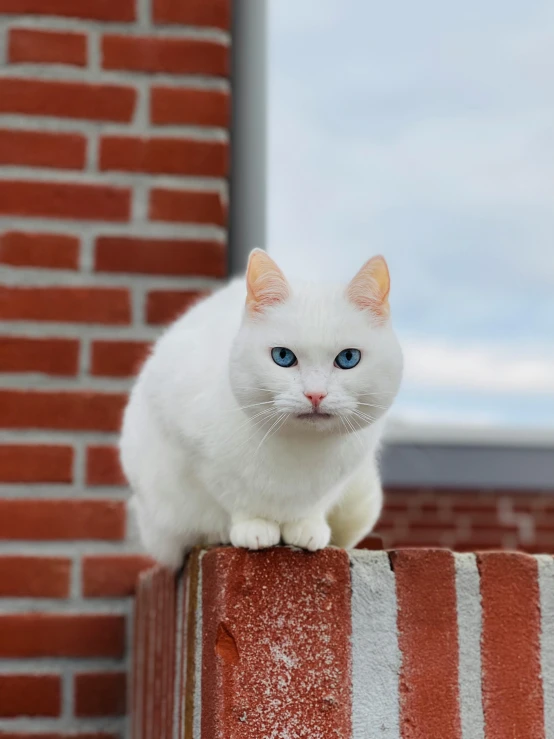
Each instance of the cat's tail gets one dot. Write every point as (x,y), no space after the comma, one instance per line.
(357,512)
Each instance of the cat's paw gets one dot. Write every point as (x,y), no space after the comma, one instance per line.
(255,533)
(307,533)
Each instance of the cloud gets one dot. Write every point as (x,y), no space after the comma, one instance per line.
(492,370)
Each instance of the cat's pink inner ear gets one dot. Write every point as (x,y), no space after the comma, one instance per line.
(369,290)
(265,283)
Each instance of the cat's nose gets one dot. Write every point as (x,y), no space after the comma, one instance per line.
(315,398)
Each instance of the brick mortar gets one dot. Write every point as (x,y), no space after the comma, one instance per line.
(159,30)
(114,179)
(77,125)
(147,229)
(109,77)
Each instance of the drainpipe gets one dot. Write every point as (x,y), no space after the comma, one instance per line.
(248,186)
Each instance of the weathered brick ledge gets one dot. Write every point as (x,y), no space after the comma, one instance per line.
(411,644)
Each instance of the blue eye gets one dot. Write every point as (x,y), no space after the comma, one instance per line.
(283,357)
(348,358)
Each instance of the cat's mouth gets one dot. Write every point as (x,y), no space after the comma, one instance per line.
(314,416)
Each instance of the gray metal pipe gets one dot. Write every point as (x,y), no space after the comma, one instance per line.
(248,188)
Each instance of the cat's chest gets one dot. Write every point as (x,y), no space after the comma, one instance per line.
(290,467)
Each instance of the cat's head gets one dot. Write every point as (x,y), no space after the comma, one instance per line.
(315,357)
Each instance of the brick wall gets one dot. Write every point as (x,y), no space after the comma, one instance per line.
(469,520)
(113,166)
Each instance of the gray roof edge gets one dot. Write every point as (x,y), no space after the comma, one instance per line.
(399,432)
(468,466)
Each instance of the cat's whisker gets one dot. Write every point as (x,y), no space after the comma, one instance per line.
(341,419)
(365,416)
(252,405)
(281,424)
(353,430)
(374,405)
(359,427)
(268,432)
(262,416)
(262,389)
(263,412)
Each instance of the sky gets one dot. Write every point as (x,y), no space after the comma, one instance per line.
(425,132)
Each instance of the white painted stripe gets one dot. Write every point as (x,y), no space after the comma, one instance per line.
(469,638)
(180,656)
(546,584)
(196,729)
(376,657)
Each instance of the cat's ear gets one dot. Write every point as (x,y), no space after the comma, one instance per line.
(369,290)
(265,283)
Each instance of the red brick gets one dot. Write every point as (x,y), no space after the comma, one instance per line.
(186,206)
(61,635)
(98,10)
(510,646)
(189,106)
(399,506)
(34,577)
(61,520)
(160,256)
(191,157)
(491,523)
(65,99)
(47,47)
(100,694)
(42,149)
(429,525)
(65,200)
(250,607)
(428,640)
(216,13)
(169,55)
(113,576)
(544,523)
(103,466)
(372,542)
(30,695)
(475,504)
(48,356)
(538,546)
(532,506)
(77,410)
(26,463)
(118,358)
(102,305)
(480,542)
(52,251)
(163,306)
(384,526)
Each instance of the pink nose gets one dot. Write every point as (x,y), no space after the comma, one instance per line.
(315,398)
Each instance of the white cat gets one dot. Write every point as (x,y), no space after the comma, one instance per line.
(257,417)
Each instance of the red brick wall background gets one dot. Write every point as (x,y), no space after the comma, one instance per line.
(469,520)
(114,138)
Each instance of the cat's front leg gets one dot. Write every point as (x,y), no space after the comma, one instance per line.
(307,533)
(254,533)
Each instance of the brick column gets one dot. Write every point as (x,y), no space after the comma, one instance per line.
(413,644)
(113,196)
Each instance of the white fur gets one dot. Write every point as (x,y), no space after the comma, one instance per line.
(211,442)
